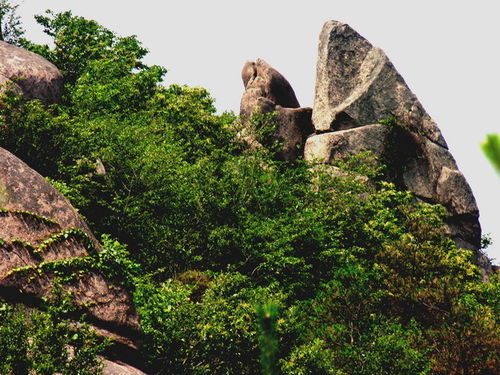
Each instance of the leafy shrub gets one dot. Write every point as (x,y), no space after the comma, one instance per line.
(34,342)
(217,334)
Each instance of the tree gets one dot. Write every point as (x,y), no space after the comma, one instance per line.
(11,30)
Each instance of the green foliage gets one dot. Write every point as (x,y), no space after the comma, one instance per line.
(386,349)
(109,86)
(402,311)
(34,342)
(27,126)
(80,42)
(205,229)
(268,341)
(217,334)
(114,262)
(491,148)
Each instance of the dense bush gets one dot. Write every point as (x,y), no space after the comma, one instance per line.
(214,333)
(362,275)
(34,342)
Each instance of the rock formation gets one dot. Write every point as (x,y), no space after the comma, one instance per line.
(30,74)
(44,241)
(356,84)
(267,91)
(363,104)
(357,87)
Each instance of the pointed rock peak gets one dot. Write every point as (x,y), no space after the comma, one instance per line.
(356,80)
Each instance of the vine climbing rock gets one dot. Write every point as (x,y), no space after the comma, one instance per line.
(267,91)
(30,74)
(363,104)
(44,241)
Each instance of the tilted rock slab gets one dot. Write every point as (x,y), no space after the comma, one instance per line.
(267,91)
(356,87)
(36,77)
(44,238)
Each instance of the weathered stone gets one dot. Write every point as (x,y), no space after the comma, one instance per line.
(263,81)
(464,230)
(423,162)
(39,229)
(267,91)
(105,303)
(357,82)
(23,189)
(119,368)
(454,192)
(357,86)
(35,76)
(293,126)
(413,163)
(331,146)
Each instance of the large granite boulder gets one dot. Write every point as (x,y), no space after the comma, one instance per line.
(357,87)
(331,146)
(267,91)
(44,241)
(30,73)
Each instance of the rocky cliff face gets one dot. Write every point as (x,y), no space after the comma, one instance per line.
(357,88)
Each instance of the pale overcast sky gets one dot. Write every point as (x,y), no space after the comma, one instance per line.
(447,51)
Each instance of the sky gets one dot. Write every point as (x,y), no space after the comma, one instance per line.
(447,51)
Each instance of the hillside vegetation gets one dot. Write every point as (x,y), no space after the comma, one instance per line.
(350,276)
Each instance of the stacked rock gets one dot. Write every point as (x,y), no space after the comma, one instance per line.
(363,104)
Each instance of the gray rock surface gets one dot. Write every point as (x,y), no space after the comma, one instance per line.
(454,192)
(267,91)
(34,75)
(21,188)
(356,85)
(331,146)
(119,368)
(261,80)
